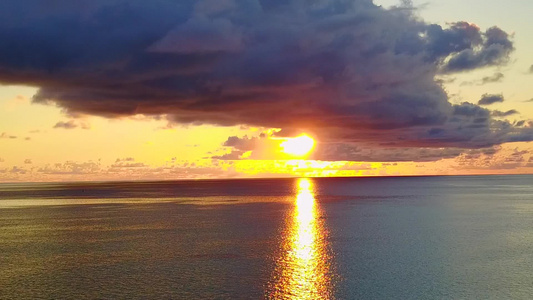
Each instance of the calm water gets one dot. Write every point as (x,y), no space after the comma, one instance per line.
(344,238)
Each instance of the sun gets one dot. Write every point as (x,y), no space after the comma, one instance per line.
(298,146)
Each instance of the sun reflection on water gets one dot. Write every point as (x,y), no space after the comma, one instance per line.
(303,268)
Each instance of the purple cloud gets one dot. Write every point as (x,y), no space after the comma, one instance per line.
(349,71)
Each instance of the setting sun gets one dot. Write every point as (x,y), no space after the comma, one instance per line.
(298,146)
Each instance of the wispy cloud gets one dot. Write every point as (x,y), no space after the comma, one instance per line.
(500,114)
(488,99)
(5,135)
(71,124)
(496,77)
(66,125)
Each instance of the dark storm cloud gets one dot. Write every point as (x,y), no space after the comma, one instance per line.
(464,47)
(489,48)
(469,110)
(348,70)
(488,99)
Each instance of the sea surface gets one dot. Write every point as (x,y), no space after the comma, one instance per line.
(457,237)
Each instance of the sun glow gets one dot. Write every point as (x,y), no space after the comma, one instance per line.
(298,146)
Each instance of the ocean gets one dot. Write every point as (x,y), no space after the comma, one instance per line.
(449,237)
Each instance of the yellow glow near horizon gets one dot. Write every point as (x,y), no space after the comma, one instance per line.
(298,146)
(38,152)
(303,268)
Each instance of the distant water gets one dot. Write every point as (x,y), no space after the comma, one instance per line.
(464,237)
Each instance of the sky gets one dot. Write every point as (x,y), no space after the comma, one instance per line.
(192,89)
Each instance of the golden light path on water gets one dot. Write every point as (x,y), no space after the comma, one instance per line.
(303,268)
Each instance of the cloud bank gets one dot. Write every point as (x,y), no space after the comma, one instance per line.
(348,71)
